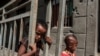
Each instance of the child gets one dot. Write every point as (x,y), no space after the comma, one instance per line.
(40,37)
(71,45)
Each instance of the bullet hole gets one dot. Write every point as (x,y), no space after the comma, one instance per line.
(91,0)
(80,1)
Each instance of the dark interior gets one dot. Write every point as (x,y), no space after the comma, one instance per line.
(3,2)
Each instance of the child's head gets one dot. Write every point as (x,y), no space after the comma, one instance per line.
(71,42)
(41,29)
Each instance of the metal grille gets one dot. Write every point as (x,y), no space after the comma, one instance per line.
(12,24)
(68,17)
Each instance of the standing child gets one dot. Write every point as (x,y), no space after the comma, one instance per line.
(71,45)
(40,37)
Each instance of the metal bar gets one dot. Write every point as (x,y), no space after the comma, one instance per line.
(14,38)
(1,35)
(3,17)
(16,17)
(97,22)
(21,30)
(10,38)
(4,38)
(33,18)
(18,7)
(60,27)
(48,20)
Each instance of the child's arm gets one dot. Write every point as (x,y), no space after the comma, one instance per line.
(22,50)
(49,40)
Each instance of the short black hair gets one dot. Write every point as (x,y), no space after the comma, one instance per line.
(66,40)
(42,22)
(39,21)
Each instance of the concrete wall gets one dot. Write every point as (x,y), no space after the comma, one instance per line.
(84,26)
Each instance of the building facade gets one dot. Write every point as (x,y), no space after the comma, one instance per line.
(62,16)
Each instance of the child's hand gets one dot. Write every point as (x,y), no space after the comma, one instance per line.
(33,47)
(48,40)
